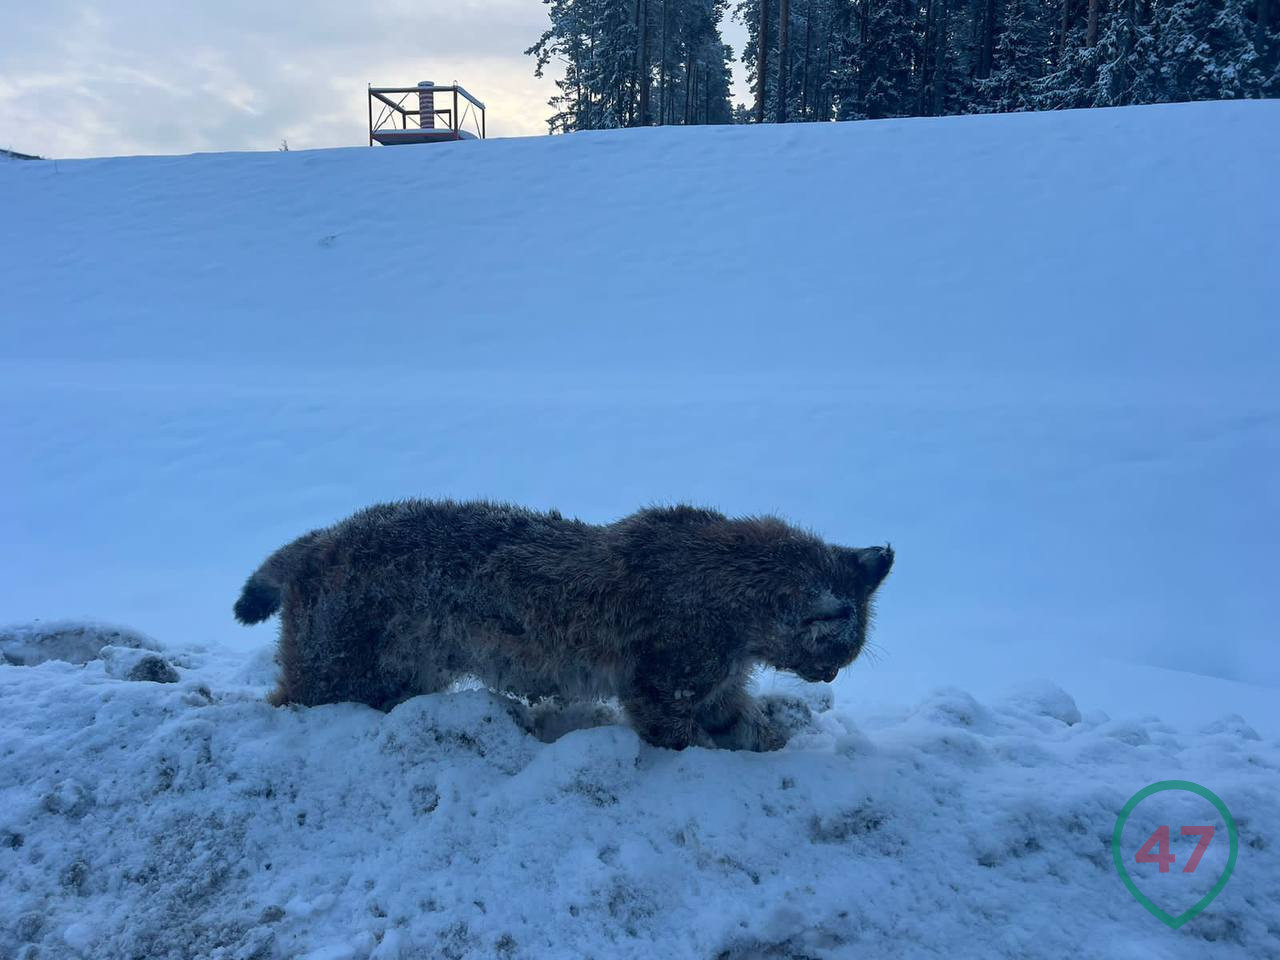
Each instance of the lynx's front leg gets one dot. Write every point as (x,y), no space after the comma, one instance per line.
(662,720)
(734,720)
(661,704)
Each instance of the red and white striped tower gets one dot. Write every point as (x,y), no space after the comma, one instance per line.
(426,104)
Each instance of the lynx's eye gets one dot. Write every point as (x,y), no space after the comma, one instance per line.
(828,607)
(842,614)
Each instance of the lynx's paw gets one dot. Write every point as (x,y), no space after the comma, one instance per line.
(787,713)
(754,729)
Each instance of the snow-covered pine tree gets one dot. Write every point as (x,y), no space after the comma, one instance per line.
(1266,40)
(1127,68)
(1206,50)
(1020,59)
(753,14)
(635,62)
(663,61)
(876,78)
(595,40)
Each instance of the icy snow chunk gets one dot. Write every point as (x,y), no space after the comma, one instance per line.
(549,721)
(590,766)
(131,663)
(852,741)
(854,822)
(391,947)
(26,645)
(1233,725)
(1041,698)
(470,723)
(78,936)
(1096,718)
(1023,751)
(300,908)
(260,669)
(69,798)
(951,707)
(28,926)
(154,669)
(1129,732)
(350,950)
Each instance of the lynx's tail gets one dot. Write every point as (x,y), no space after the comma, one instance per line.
(261,595)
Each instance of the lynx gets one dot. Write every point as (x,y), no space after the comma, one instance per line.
(669,610)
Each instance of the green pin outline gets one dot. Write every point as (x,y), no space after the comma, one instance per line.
(1159,787)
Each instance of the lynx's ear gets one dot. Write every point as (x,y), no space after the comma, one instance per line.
(873,562)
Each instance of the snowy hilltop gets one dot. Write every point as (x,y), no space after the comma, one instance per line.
(1037,353)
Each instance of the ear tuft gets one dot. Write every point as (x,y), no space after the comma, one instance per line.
(876,562)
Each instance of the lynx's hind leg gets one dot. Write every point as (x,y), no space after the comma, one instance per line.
(332,652)
(290,686)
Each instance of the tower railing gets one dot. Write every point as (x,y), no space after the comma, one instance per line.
(399,119)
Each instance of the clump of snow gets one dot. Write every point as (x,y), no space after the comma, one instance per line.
(1041,698)
(72,641)
(152,668)
(193,820)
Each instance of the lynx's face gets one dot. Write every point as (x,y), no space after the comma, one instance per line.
(825,630)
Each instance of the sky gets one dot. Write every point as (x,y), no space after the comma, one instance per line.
(94,78)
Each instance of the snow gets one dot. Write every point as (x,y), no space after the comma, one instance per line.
(191,819)
(1035,352)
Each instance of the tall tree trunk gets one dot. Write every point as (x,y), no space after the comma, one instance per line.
(590,62)
(940,60)
(579,109)
(860,87)
(804,71)
(927,58)
(825,90)
(1091,35)
(784,17)
(635,73)
(643,14)
(689,79)
(1067,23)
(986,52)
(662,71)
(762,59)
(1126,50)
(670,26)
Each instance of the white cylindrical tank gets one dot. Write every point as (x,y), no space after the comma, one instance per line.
(426,104)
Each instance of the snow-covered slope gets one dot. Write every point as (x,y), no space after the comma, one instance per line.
(1036,352)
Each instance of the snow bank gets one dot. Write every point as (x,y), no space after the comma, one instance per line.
(192,820)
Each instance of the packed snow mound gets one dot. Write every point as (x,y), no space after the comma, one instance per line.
(192,820)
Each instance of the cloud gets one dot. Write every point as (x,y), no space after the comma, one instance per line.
(138,76)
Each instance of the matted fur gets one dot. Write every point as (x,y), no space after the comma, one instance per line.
(668,609)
